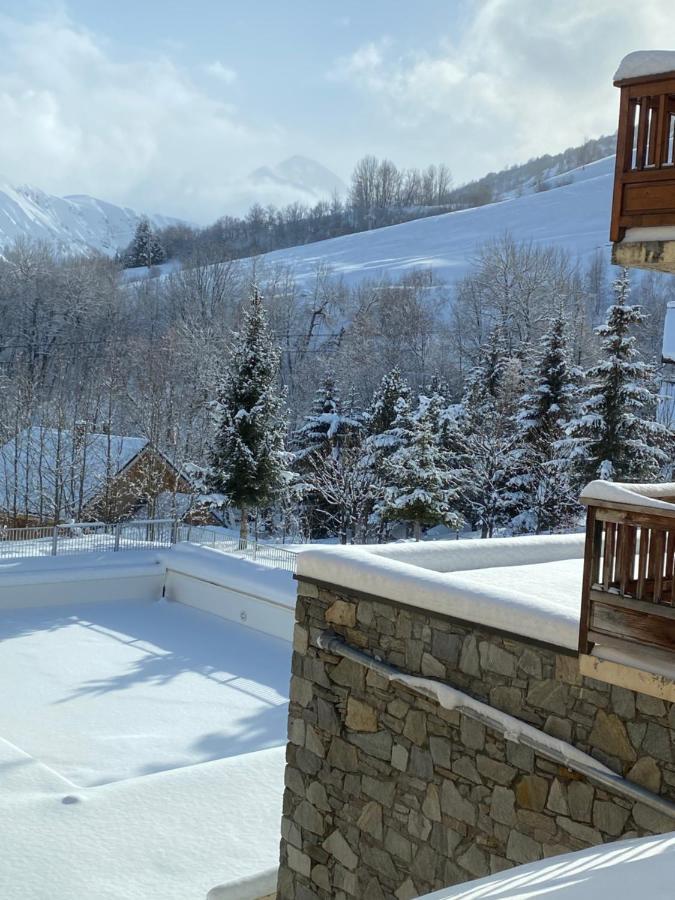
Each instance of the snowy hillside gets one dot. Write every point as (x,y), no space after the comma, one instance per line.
(74,224)
(572,214)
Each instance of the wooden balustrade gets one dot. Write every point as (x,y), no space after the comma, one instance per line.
(644,180)
(629,567)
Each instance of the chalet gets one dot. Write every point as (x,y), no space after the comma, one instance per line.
(49,475)
(643,208)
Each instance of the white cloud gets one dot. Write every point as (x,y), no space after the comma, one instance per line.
(76,119)
(525,78)
(221,72)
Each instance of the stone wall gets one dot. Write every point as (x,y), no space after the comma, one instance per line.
(388,795)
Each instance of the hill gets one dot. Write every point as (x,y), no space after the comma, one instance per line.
(571,212)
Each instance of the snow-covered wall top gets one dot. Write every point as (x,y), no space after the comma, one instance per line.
(649,496)
(529,586)
(642,63)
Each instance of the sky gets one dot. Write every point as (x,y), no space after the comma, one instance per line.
(168,106)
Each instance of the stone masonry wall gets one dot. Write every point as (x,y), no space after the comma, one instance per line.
(389,795)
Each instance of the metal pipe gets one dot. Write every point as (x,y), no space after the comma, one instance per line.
(521,733)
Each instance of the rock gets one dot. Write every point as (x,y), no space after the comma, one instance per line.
(370,820)
(431,667)
(305,589)
(520,756)
(379,860)
(472,733)
(623,702)
(360,716)
(531,792)
(567,669)
(557,799)
(651,820)
(294,781)
(468,660)
(397,708)
(418,825)
(431,805)
(316,794)
(348,674)
(296,731)
(495,770)
(446,647)
(313,742)
(609,818)
(508,699)
(440,751)
(502,806)
(301,691)
(646,773)
(421,765)
(580,800)
(382,791)
(559,728)
(415,728)
(378,745)
(494,659)
(549,695)
(399,757)
(300,639)
(407,891)
(581,832)
(398,846)
(341,613)
(343,756)
(337,846)
(474,861)
(298,861)
(309,818)
(465,767)
(522,849)
(651,706)
(321,877)
(530,663)
(609,734)
(657,742)
(454,805)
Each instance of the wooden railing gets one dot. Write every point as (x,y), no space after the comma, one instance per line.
(629,567)
(644,181)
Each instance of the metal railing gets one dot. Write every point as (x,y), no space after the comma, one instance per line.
(135,534)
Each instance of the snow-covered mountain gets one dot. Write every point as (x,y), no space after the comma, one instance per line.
(571,212)
(299,175)
(74,224)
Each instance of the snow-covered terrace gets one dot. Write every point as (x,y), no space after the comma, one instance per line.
(142,740)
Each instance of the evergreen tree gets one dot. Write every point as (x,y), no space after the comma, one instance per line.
(542,493)
(615,437)
(248,458)
(419,485)
(145,248)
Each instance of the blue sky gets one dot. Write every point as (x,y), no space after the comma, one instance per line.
(167,106)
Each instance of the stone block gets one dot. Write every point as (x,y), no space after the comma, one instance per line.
(502,807)
(406,891)
(446,647)
(300,639)
(609,818)
(378,745)
(343,756)
(508,699)
(431,667)
(475,861)
(609,734)
(529,662)
(468,659)
(380,790)
(360,716)
(317,796)
(399,757)
(298,861)
(583,833)
(337,847)
(456,806)
(651,706)
(313,742)
(440,751)
(465,767)
(559,728)
(301,691)
(348,674)
(531,792)
(567,669)
(522,849)
(551,695)
(651,820)
(494,659)
(646,773)
(321,877)
(309,818)
(420,764)
(656,742)
(623,702)
(431,805)
(472,733)
(418,825)
(557,799)
(310,591)
(370,820)
(341,613)
(495,770)
(398,846)
(296,731)
(580,800)
(415,728)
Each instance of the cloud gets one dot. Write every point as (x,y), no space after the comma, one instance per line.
(221,72)
(141,132)
(524,78)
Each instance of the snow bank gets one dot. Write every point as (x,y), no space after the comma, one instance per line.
(642,63)
(647,496)
(651,233)
(622,870)
(529,586)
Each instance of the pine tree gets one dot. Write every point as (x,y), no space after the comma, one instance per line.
(615,437)
(248,458)
(419,484)
(543,496)
(145,248)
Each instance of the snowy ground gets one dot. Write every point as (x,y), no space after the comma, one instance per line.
(142,750)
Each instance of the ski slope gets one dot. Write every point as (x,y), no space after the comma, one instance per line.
(572,216)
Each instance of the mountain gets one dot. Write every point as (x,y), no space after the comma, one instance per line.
(74,224)
(298,175)
(570,211)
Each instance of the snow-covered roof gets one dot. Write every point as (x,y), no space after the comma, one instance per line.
(642,63)
(643,495)
(623,870)
(528,586)
(39,459)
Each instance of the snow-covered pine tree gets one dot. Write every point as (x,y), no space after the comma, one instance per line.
(248,457)
(543,495)
(419,485)
(615,436)
(145,248)
(487,426)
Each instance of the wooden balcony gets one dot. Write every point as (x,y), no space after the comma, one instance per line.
(627,594)
(643,209)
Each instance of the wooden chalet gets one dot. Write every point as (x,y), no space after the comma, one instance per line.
(50,475)
(642,226)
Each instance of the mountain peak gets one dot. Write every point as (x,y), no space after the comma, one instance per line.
(300,176)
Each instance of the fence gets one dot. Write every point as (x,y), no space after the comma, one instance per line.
(138,534)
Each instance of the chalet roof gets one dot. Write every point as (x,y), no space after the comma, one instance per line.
(643,63)
(39,459)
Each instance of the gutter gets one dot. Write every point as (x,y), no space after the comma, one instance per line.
(509,727)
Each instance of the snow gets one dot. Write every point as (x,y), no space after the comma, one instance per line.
(142,748)
(642,495)
(573,216)
(668,348)
(642,63)
(652,233)
(74,224)
(528,586)
(622,870)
